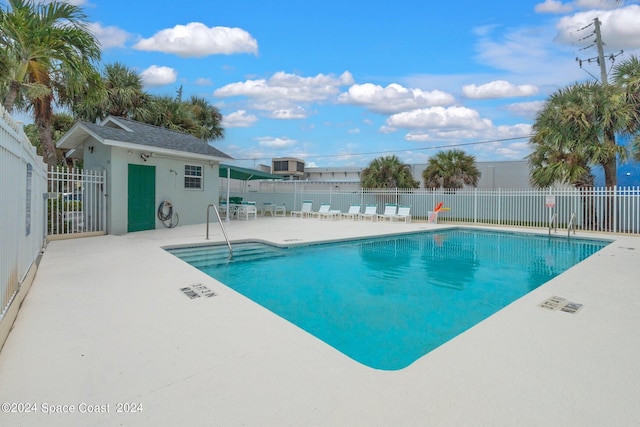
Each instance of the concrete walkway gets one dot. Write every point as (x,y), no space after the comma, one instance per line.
(105,332)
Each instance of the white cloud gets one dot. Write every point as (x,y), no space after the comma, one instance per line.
(439,118)
(452,125)
(239,119)
(197,40)
(72,2)
(596,4)
(498,89)
(158,76)
(619,28)
(526,109)
(284,86)
(557,7)
(523,51)
(203,81)
(109,37)
(296,112)
(393,98)
(281,95)
(553,6)
(274,142)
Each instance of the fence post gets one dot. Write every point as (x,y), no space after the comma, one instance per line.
(615,208)
(475,205)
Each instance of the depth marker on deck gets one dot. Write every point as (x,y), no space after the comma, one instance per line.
(562,304)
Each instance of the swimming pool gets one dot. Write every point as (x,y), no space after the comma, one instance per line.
(386,302)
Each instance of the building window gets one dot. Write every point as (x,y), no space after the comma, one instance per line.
(193,177)
(280,166)
(300,166)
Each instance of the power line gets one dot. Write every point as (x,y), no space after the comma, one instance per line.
(406,150)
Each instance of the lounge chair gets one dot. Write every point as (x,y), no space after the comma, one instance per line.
(370,212)
(390,210)
(404,213)
(352,213)
(280,210)
(332,214)
(323,212)
(305,211)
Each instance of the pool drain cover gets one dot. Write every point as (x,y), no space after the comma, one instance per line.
(562,304)
(196,291)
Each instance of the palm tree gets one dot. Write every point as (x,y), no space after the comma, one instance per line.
(123,96)
(580,122)
(195,117)
(558,156)
(60,124)
(387,172)
(48,53)
(451,169)
(208,118)
(626,75)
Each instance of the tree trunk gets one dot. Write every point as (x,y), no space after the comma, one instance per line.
(43,114)
(12,94)
(610,179)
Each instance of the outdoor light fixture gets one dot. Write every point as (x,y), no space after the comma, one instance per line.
(144,156)
(91,147)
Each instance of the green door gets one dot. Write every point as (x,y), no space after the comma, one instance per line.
(141,198)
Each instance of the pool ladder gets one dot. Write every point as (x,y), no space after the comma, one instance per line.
(571,226)
(553,223)
(224,232)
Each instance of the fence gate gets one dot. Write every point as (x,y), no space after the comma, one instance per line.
(76,202)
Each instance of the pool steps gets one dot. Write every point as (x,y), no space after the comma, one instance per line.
(211,256)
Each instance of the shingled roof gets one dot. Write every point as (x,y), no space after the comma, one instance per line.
(118,131)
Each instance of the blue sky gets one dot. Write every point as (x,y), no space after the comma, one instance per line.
(339,83)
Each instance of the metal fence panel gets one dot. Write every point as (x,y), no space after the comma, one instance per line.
(614,209)
(22,185)
(76,202)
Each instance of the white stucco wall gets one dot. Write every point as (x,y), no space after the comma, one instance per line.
(190,204)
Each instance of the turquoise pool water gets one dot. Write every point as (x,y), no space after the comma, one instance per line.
(387,302)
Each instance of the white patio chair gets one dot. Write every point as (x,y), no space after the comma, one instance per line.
(404,213)
(370,212)
(247,210)
(305,211)
(267,208)
(352,213)
(390,210)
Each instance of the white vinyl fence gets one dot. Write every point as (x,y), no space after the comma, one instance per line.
(23,182)
(76,202)
(614,209)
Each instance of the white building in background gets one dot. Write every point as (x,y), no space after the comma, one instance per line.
(497,174)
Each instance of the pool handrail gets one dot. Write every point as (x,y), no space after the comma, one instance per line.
(224,232)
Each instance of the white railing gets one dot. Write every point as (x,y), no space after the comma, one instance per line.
(614,209)
(23,181)
(76,202)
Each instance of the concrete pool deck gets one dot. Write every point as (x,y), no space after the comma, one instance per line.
(105,330)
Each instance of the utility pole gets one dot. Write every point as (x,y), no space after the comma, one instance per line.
(599,46)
